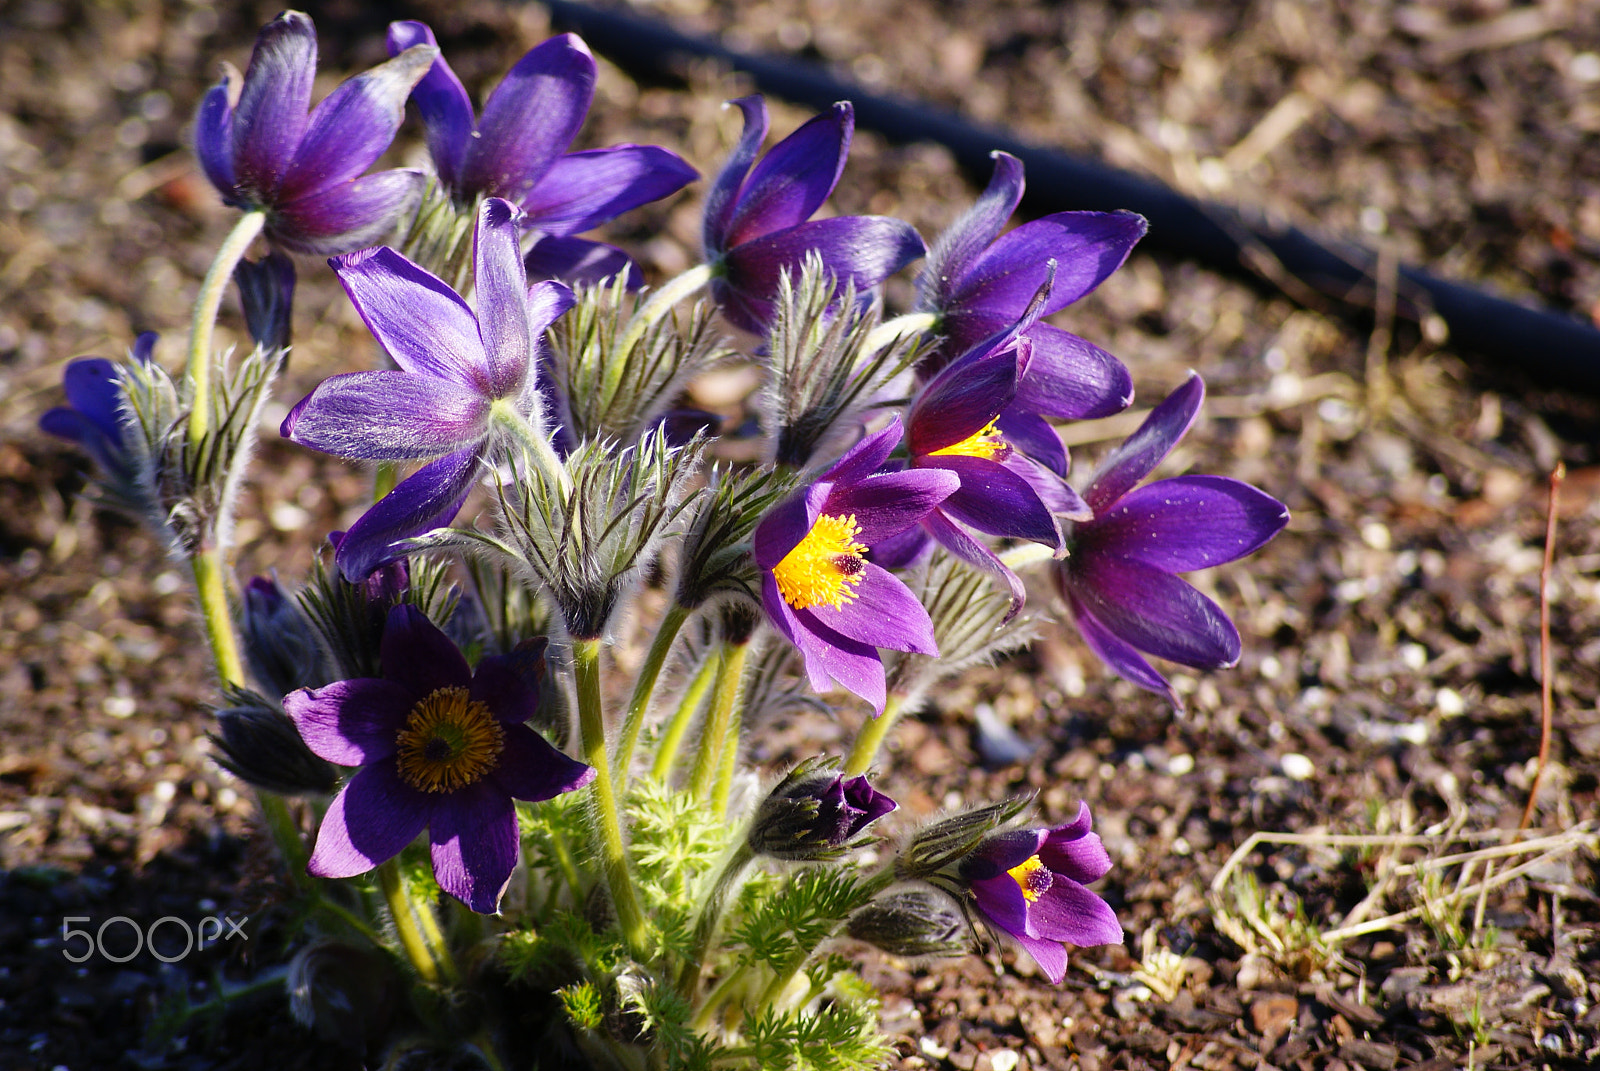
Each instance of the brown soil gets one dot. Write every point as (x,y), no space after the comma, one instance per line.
(1390,683)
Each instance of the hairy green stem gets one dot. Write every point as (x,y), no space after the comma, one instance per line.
(285,832)
(912,323)
(688,706)
(711,912)
(534,441)
(713,734)
(211,584)
(730,762)
(405,921)
(350,919)
(644,686)
(655,307)
(438,947)
(717,997)
(871,737)
(607,815)
(204,325)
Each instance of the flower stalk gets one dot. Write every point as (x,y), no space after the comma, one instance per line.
(719,718)
(678,726)
(644,686)
(204,324)
(871,737)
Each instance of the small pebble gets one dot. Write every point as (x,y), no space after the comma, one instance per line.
(1180,764)
(1450,703)
(1296,766)
(1004,1060)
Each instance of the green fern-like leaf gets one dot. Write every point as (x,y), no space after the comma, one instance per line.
(782,930)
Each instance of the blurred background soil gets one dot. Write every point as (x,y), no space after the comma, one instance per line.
(1390,683)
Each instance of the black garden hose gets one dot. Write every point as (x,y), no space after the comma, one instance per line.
(1556,348)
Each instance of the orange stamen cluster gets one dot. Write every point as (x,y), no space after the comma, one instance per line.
(825,567)
(450,741)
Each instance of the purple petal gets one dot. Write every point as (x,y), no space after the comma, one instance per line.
(1071,379)
(530,769)
(417,319)
(1189,522)
(1051,956)
(1074,852)
(953,253)
(501,289)
(69,424)
(1153,610)
(1003,851)
(585,189)
(388,416)
(429,498)
(722,198)
(416,655)
(1059,498)
(1001,901)
(474,845)
(954,539)
(884,613)
(794,178)
(889,504)
(351,723)
(786,524)
(995,500)
(94,389)
(1142,451)
(1120,656)
(1033,435)
(348,216)
(270,117)
(873,805)
(213,132)
(530,119)
(904,550)
(1066,911)
(371,820)
(867,456)
(962,399)
(580,261)
(1086,246)
(354,124)
(442,101)
(828,656)
(865,250)
(509,684)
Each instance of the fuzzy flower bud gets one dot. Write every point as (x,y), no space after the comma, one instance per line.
(258,744)
(814,814)
(278,642)
(911,922)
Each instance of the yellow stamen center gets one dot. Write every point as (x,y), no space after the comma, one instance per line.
(986,442)
(824,567)
(449,742)
(1031,877)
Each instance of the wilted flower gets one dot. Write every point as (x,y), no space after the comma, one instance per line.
(92,417)
(818,587)
(755,225)
(1030,884)
(1119,578)
(440,748)
(262,150)
(518,150)
(814,814)
(460,376)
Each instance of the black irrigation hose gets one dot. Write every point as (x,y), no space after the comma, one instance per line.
(1549,345)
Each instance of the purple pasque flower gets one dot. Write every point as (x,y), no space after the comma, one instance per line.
(1119,578)
(518,150)
(818,586)
(756,219)
(1030,884)
(460,375)
(814,814)
(92,417)
(979,282)
(441,748)
(954,424)
(261,148)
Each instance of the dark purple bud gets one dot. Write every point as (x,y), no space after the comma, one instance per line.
(258,744)
(280,646)
(266,290)
(814,814)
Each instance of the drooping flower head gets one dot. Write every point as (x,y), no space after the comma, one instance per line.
(441,748)
(819,587)
(757,222)
(517,150)
(1030,883)
(92,417)
(1119,578)
(979,282)
(263,147)
(459,373)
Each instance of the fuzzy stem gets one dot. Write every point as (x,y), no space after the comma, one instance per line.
(534,442)
(655,307)
(780,981)
(705,927)
(201,328)
(438,947)
(730,762)
(911,323)
(613,851)
(210,581)
(285,832)
(688,706)
(405,922)
(717,997)
(569,869)
(350,919)
(644,687)
(730,670)
(871,737)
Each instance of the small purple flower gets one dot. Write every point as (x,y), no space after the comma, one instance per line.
(262,150)
(1030,884)
(458,374)
(440,748)
(92,417)
(818,587)
(979,283)
(756,220)
(953,424)
(518,150)
(815,814)
(1119,577)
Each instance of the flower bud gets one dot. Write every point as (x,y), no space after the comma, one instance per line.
(814,814)
(258,744)
(279,644)
(951,839)
(911,922)
(266,290)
